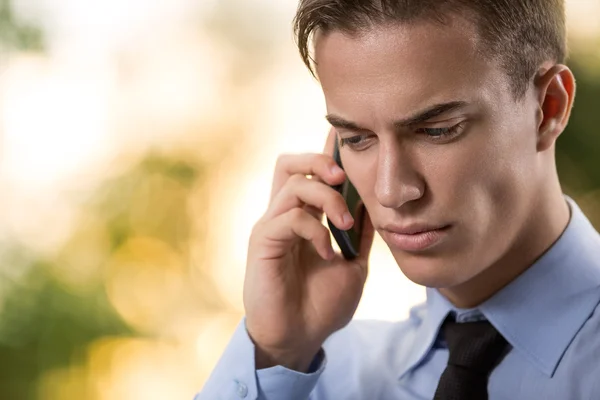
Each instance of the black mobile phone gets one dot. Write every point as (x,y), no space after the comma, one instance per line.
(348,241)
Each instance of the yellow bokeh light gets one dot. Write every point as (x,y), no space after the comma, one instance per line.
(126,369)
(144,282)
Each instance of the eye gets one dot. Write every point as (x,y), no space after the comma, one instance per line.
(439,134)
(356,142)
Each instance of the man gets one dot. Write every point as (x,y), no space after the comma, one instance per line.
(447,113)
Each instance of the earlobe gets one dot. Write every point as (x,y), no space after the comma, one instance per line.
(556,89)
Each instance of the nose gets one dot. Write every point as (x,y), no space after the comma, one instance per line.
(398,181)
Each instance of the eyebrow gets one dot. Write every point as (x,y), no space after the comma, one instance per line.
(420,117)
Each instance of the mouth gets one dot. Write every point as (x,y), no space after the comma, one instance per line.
(414,238)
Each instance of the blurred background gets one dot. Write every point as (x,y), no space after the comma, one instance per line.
(137,142)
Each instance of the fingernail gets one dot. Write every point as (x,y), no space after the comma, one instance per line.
(336,170)
(347,219)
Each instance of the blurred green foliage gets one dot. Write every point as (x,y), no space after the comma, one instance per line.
(578,149)
(118,202)
(45,327)
(16,34)
(45,324)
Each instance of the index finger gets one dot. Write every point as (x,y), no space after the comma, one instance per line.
(307,164)
(328,150)
(329,145)
(330,142)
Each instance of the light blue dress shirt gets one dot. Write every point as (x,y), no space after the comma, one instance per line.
(550,316)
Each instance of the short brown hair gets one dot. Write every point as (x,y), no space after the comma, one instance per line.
(520,34)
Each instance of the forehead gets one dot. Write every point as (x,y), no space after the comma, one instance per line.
(411,66)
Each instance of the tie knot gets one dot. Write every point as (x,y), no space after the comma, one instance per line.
(474,345)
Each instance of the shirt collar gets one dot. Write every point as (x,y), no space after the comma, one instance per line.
(541,311)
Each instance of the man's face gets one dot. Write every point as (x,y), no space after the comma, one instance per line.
(470,167)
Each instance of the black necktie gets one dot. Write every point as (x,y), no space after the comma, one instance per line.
(475,349)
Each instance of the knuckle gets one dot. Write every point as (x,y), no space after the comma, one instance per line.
(296,214)
(282,161)
(257,228)
(321,160)
(254,237)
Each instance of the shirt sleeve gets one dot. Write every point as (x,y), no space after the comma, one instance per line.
(235,376)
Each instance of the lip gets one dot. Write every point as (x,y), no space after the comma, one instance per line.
(415,237)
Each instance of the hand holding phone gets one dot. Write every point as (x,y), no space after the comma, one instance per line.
(297,290)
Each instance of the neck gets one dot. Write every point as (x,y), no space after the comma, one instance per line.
(548,219)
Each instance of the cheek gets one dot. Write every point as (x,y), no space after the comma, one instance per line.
(491,176)
(479,182)
(455,172)
(509,168)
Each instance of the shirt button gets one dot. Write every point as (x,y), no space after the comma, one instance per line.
(242,390)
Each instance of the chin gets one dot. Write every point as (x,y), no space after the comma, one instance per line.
(430,271)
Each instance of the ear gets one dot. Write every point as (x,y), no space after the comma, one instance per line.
(556,91)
